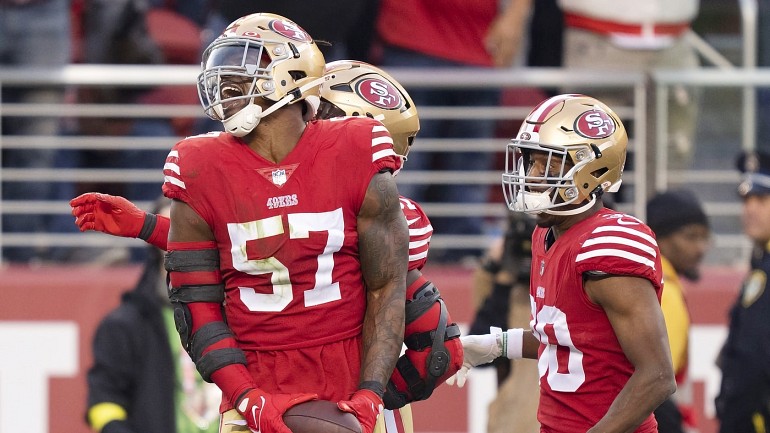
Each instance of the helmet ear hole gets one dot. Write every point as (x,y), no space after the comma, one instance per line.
(600,172)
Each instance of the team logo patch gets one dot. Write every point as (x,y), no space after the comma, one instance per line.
(379,93)
(595,124)
(278,176)
(290,30)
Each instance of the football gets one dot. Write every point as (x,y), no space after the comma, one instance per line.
(320,416)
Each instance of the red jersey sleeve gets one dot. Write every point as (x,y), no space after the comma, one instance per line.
(420,232)
(622,245)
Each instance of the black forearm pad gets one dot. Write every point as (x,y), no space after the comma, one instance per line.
(204,293)
(218,358)
(206,336)
(192,260)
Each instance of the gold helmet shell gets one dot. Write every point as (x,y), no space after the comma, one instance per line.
(360,89)
(584,141)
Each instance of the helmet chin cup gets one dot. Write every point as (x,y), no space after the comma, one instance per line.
(243,122)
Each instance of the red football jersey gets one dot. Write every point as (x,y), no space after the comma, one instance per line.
(286,232)
(420,232)
(582,366)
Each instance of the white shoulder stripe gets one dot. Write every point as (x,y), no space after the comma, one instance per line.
(385,139)
(175,181)
(421,231)
(171,166)
(383,154)
(173,154)
(417,244)
(637,233)
(620,240)
(418,256)
(611,252)
(379,128)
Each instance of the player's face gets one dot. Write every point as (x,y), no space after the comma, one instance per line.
(546,169)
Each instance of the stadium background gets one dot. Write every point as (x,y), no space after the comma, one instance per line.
(48,311)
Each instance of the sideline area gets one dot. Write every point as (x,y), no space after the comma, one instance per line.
(81,295)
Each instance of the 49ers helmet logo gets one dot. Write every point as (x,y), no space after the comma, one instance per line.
(379,93)
(290,30)
(595,124)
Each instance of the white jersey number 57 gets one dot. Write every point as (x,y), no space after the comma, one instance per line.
(300,225)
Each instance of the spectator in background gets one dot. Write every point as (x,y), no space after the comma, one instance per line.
(348,25)
(743,403)
(141,379)
(682,231)
(501,289)
(129,32)
(632,35)
(36,34)
(450,34)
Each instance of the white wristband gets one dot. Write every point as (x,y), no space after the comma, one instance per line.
(513,343)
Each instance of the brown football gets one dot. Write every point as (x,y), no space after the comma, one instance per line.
(320,416)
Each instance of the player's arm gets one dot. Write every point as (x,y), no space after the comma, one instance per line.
(383,247)
(197,293)
(634,312)
(481,349)
(117,216)
(433,349)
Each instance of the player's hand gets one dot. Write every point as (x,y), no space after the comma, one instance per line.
(366,405)
(107,214)
(264,412)
(477,350)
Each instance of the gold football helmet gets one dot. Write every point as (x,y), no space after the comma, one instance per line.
(354,88)
(569,150)
(259,55)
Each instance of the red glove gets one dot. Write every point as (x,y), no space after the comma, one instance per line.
(366,405)
(264,412)
(107,214)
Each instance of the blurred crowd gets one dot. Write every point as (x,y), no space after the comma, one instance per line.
(389,33)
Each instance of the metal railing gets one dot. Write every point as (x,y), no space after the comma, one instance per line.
(637,84)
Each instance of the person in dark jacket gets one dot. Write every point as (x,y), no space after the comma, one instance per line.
(139,382)
(743,403)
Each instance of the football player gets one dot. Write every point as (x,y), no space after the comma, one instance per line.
(291,230)
(596,279)
(350,89)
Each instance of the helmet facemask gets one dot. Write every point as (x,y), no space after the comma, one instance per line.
(233,67)
(261,55)
(540,178)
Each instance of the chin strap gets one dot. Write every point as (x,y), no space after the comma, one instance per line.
(573,211)
(243,122)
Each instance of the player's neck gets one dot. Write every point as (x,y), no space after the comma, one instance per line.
(562,226)
(277,135)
